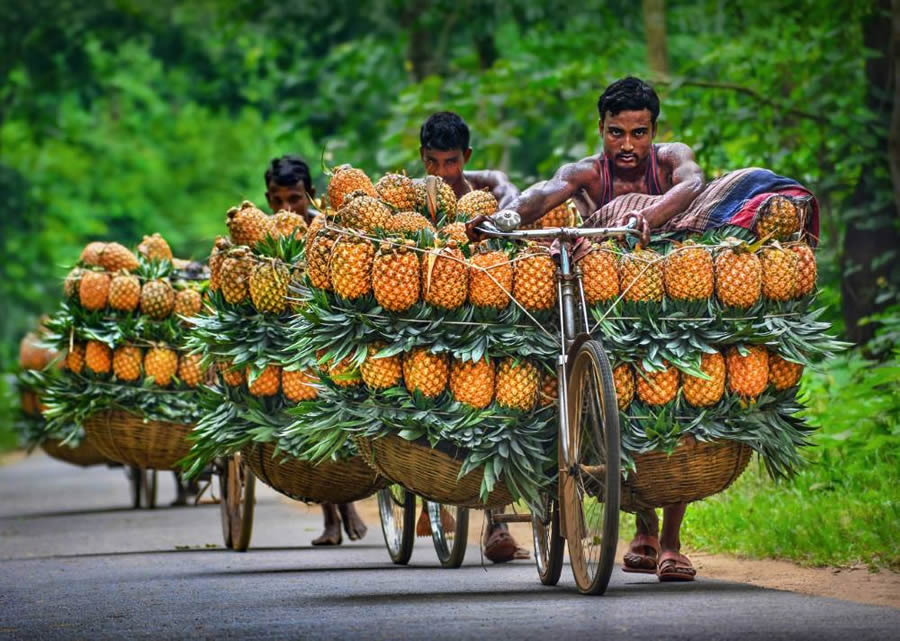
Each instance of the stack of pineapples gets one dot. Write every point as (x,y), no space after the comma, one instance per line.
(122,326)
(35,361)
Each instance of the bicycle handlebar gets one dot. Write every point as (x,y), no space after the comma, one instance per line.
(491,230)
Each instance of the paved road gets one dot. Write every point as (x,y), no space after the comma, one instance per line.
(75,563)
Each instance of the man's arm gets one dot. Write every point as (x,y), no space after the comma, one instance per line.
(687,183)
(496,182)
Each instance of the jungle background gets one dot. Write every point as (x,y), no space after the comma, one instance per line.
(125,117)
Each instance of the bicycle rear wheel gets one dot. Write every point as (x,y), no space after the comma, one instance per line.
(549,545)
(589,480)
(237,489)
(449,531)
(397,509)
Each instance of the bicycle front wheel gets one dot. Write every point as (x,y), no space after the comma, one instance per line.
(449,531)
(397,508)
(549,545)
(589,480)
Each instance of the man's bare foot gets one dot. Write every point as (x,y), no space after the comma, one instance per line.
(643,551)
(331,535)
(353,524)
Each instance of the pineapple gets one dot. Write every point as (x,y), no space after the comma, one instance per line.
(287,223)
(157,299)
(517,384)
(435,199)
(231,375)
(779,273)
(73,282)
(381,373)
(90,255)
(98,357)
(155,247)
(559,216)
(126,362)
(472,382)
(363,212)
(490,279)
(806,271)
(160,364)
(115,257)
(248,225)
(600,274)
(738,276)
(783,373)
(299,385)
(398,191)
(267,383)
(549,390)
(190,371)
(395,277)
(346,179)
(454,231)
(343,373)
(641,274)
(534,282)
(93,290)
(216,257)
(351,267)
(315,225)
(234,275)
(445,277)
(408,222)
(688,273)
(476,203)
(269,286)
(75,358)
(125,292)
(425,371)
(188,302)
(778,217)
(703,393)
(623,377)
(748,375)
(658,387)
(318,258)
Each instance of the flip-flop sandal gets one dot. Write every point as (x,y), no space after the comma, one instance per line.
(675,567)
(423,525)
(521,554)
(637,563)
(500,547)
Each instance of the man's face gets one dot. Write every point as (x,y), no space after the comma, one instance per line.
(291,198)
(627,137)
(446,164)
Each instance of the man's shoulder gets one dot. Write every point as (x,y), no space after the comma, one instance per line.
(674,152)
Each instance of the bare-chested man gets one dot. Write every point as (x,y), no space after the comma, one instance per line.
(289,187)
(629,163)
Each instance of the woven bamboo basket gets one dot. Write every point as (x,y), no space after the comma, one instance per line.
(129,439)
(432,473)
(695,470)
(328,482)
(84,454)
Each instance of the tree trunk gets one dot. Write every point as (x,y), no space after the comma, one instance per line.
(871,230)
(655,26)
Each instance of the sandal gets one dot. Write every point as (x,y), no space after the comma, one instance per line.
(423,525)
(638,563)
(674,566)
(500,546)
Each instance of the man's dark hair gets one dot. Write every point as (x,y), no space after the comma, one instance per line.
(287,171)
(444,131)
(629,94)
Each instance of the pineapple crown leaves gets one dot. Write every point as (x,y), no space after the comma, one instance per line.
(287,249)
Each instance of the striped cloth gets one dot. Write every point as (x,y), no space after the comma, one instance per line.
(732,199)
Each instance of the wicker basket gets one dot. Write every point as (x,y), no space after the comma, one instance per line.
(129,439)
(84,454)
(432,473)
(695,470)
(327,482)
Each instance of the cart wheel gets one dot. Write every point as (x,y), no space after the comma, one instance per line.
(149,483)
(548,543)
(237,489)
(135,481)
(397,508)
(449,531)
(589,478)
